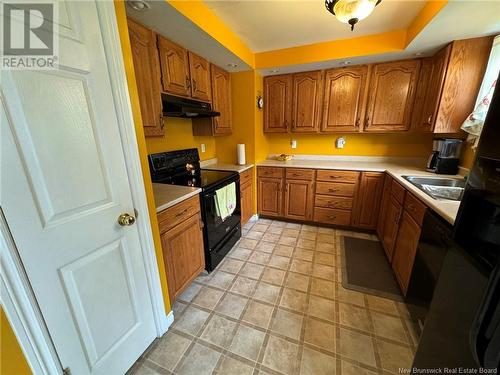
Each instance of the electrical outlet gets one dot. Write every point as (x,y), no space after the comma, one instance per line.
(340,142)
(203,147)
(293,143)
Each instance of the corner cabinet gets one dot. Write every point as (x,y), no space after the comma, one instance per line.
(147,76)
(181,232)
(307,92)
(277,103)
(368,200)
(391,96)
(344,99)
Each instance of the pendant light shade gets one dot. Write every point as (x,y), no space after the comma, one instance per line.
(351,11)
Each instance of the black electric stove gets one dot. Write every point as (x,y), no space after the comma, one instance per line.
(182,167)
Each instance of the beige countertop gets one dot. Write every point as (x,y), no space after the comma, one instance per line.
(446,209)
(169,195)
(214,165)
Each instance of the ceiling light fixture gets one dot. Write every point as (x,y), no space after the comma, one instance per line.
(351,11)
(138,5)
(231,65)
(274,71)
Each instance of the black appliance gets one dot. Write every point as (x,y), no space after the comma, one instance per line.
(174,106)
(462,328)
(445,156)
(436,238)
(182,167)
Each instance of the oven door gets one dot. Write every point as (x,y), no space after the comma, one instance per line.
(216,228)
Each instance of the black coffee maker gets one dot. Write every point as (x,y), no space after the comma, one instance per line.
(445,156)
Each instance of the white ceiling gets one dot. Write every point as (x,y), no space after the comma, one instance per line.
(268,25)
(459,19)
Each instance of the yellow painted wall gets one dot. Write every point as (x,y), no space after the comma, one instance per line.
(121,18)
(403,145)
(179,135)
(12,360)
(243,115)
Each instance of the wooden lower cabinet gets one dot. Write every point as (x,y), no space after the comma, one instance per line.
(393,213)
(386,194)
(299,198)
(183,252)
(270,196)
(246,195)
(368,200)
(405,250)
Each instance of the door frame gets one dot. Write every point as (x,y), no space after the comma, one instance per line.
(17,298)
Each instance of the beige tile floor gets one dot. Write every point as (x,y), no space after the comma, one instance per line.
(276,305)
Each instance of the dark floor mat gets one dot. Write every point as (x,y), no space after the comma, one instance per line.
(366,269)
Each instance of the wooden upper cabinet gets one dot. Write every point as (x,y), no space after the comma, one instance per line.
(299,199)
(405,250)
(221,100)
(174,68)
(368,200)
(147,75)
(307,104)
(429,89)
(344,99)
(199,70)
(277,103)
(391,95)
(464,73)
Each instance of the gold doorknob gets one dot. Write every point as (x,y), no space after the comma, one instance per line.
(126,220)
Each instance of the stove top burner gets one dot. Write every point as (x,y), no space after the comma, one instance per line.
(183,168)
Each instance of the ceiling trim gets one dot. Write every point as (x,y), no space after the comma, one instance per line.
(391,41)
(426,14)
(198,13)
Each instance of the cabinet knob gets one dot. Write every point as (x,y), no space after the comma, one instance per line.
(357,123)
(429,120)
(194,84)
(162,124)
(188,82)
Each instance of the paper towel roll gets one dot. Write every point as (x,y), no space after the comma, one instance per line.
(240,150)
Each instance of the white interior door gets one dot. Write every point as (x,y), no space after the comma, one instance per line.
(64,183)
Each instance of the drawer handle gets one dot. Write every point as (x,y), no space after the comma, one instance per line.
(181,213)
(333,190)
(335,177)
(411,206)
(332,217)
(296,175)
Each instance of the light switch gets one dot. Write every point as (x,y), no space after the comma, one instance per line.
(293,143)
(203,147)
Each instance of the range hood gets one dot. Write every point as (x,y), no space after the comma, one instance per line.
(173,106)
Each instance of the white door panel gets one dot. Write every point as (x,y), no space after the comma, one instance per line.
(64,183)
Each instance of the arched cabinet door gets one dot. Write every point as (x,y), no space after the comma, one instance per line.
(391,94)
(307,104)
(344,99)
(277,103)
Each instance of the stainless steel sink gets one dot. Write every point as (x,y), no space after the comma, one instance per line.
(440,188)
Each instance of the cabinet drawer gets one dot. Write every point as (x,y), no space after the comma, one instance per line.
(172,216)
(334,188)
(331,216)
(327,201)
(415,208)
(300,174)
(270,172)
(246,176)
(337,176)
(398,191)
